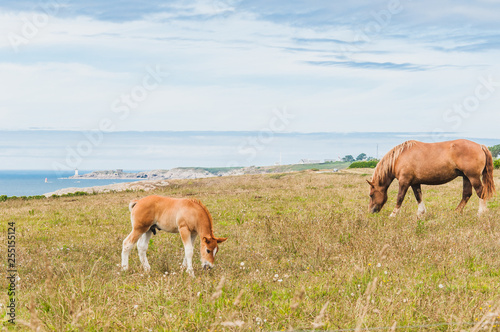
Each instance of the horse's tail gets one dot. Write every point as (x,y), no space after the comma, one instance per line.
(132,204)
(488,182)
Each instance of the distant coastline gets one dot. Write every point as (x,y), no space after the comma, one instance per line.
(149,180)
(205,172)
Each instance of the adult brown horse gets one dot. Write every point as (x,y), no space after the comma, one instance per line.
(415,163)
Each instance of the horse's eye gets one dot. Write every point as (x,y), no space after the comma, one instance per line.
(208,251)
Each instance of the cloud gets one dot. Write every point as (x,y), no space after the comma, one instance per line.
(231,63)
(370,65)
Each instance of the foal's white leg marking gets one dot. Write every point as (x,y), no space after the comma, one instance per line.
(142,247)
(184,261)
(395,212)
(482,207)
(187,236)
(421,209)
(126,249)
(188,252)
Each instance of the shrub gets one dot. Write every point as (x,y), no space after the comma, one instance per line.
(364,164)
(496,163)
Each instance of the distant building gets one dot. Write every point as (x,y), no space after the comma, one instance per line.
(119,170)
(76,171)
(309,161)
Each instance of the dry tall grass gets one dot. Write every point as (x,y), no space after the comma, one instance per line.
(302,253)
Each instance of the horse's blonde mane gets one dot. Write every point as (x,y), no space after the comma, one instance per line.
(197,201)
(385,166)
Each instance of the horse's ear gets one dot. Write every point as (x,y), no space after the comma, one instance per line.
(370,183)
(206,240)
(221,239)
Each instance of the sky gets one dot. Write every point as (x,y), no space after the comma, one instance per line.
(230,65)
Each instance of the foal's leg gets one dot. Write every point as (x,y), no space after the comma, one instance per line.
(417,190)
(188,250)
(478,186)
(466,194)
(142,247)
(403,188)
(193,237)
(128,244)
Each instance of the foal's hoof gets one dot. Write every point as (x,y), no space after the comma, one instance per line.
(482,213)
(191,273)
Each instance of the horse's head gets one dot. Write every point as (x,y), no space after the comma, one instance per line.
(209,248)
(378,196)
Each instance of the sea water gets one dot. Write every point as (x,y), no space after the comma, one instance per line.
(31,183)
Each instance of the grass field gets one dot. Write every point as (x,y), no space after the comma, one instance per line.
(302,253)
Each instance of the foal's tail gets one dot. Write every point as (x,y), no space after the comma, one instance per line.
(132,204)
(488,182)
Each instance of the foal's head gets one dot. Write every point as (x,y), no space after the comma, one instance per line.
(209,248)
(378,196)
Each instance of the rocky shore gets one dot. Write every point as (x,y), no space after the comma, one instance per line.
(117,187)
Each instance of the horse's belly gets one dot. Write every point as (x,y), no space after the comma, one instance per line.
(167,223)
(436,178)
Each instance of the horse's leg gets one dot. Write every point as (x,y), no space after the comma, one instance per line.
(142,247)
(188,249)
(403,188)
(193,237)
(466,194)
(128,244)
(417,190)
(478,186)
